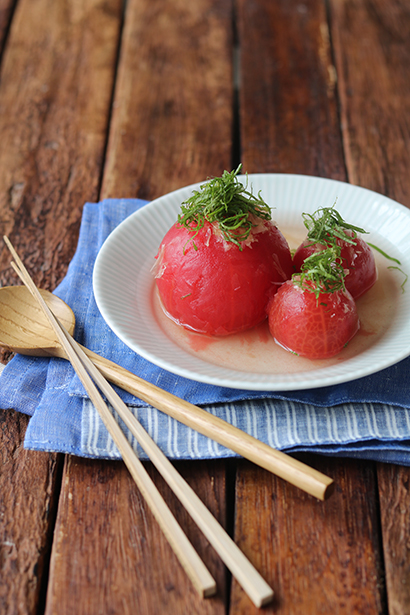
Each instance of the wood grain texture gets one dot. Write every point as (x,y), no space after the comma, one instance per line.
(288,106)
(168,129)
(53,130)
(6,10)
(319,557)
(28,487)
(394,489)
(372,57)
(172,118)
(55,92)
(108,555)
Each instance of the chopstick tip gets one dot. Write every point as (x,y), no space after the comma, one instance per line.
(266,599)
(329,490)
(210,590)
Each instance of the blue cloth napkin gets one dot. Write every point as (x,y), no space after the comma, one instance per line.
(368,418)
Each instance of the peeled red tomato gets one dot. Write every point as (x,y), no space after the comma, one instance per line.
(315,328)
(211,286)
(357,259)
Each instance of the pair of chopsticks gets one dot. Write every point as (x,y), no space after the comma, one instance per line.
(248,577)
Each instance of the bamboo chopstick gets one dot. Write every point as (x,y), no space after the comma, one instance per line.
(188,557)
(290,469)
(254,585)
(248,577)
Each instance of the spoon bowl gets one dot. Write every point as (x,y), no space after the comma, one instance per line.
(23,326)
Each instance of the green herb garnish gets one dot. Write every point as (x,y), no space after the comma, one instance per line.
(390,258)
(395,260)
(322,272)
(326,226)
(226,201)
(406,277)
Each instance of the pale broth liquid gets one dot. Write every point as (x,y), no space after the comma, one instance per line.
(256,351)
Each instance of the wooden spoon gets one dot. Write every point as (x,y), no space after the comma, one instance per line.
(24,329)
(23,326)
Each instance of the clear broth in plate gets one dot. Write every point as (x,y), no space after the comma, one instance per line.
(255,350)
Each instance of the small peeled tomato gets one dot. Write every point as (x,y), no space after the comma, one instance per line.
(209,285)
(315,328)
(357,259)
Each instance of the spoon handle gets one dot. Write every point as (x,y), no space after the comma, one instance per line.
(288,468)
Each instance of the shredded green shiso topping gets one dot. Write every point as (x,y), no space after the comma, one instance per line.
(395,260)
(326,226)
(406,277)
(322,272)
(380,251)
(226,201)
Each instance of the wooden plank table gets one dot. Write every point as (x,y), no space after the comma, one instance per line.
(104,99)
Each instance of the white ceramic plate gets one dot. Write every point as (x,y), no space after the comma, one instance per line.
(123,280)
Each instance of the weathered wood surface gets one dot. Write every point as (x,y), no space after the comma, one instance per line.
(323,91)
(313,552)
(57,74)
(161,138)
(29,486)
(319,557)
(372,57)
(394,493)
(172,116)
(288,100)
(53,123)
(109,555)
(6,11)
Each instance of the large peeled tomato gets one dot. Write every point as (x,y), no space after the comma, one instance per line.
(211,286)
(315,328)
(357,259)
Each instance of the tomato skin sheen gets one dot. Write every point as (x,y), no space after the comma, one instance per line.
(209,285)
(311,328)
(357,259)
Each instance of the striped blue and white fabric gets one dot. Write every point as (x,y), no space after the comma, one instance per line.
(368,418)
